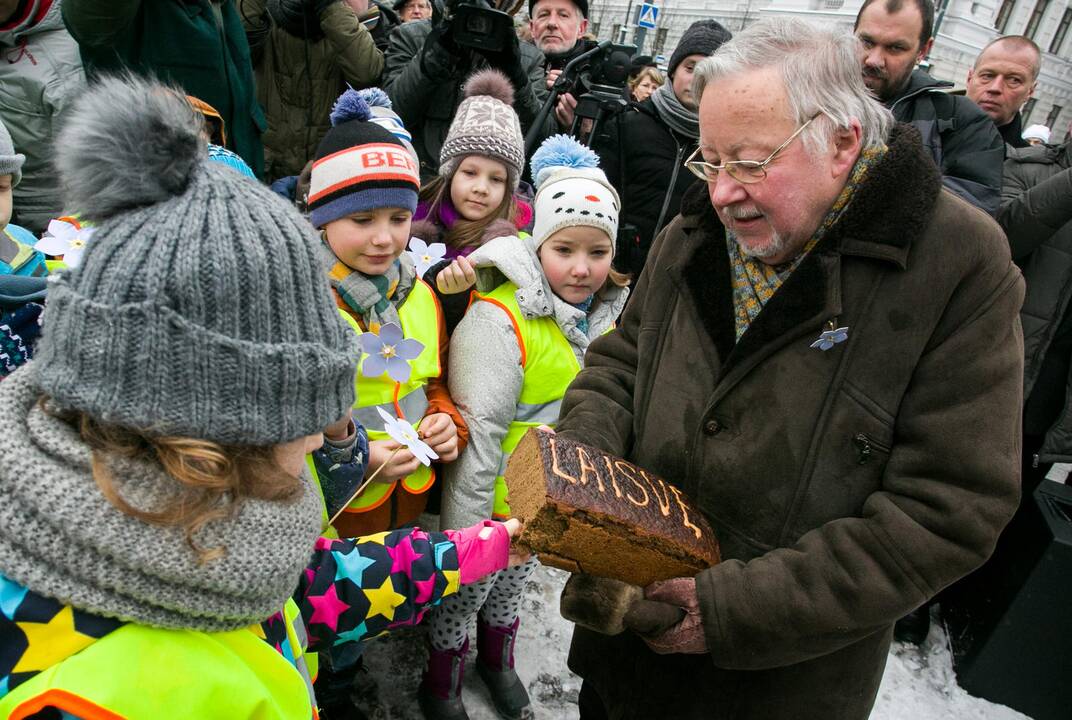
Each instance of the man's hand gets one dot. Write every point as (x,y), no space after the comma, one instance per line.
(439,432)
(440,53)
(686,636)
(564,110)
(398,467)
(552,76)
(457,277)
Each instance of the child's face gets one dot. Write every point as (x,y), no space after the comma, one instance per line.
(5,200)
(290,456)
(576,261)
(370,241)
(478,187)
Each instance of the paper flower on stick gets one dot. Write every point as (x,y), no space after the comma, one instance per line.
(830,338)
(389,352)
(66,237)
(405,435)
(425,255)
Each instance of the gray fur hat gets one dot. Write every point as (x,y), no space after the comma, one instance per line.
(10,161)
(201,307)
(485,124)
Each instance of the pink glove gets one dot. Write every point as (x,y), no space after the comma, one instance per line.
(688,635)
(482,549)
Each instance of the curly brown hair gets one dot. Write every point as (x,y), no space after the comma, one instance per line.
(211,479)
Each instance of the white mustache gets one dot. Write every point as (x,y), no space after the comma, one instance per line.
(740,212)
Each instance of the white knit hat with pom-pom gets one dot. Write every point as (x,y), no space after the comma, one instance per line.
(571,190)
(487,125)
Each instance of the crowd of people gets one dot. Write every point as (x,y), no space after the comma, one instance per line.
(280,281)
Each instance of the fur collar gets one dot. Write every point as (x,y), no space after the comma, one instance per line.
(890,210)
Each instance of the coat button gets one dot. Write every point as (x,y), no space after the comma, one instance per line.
(711,427)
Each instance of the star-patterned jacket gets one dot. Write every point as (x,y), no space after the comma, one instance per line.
(352,590)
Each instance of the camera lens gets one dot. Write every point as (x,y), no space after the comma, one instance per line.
(478,24)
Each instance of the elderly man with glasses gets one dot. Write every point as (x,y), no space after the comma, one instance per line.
(824,353)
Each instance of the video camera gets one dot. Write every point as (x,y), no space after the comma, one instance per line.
(477,25)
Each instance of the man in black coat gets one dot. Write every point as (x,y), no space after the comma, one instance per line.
(894,37)
(1002,80)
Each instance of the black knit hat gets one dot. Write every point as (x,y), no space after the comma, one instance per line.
(702,37)
(582,5)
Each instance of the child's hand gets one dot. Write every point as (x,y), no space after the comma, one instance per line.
(438,431)
(456,277)
(399,466)
(518,556)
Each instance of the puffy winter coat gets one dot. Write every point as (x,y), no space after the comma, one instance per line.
(198,44)
(846,486)
(644,160)
(961,138)
(427,105)
(40,73)
(1036,212)
(299,79)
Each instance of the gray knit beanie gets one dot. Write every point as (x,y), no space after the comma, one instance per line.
(10,161)
(201,307)
(487,125)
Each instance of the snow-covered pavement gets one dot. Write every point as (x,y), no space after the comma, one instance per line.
(918,685)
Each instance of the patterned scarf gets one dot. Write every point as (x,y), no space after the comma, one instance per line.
(755,282)
(681,120)
(375,298)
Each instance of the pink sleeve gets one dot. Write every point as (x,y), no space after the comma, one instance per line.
(482,549)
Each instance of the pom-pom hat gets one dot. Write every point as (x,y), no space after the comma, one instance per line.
(201,307)
(571,190)
(10,161)
(360,166)
(487,125)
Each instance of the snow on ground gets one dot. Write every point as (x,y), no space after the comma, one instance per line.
(919,683)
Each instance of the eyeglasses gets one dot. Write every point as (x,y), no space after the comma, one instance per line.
(745,172)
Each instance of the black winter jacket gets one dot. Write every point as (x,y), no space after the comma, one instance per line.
(643,159)
(1036,213)
(961,138)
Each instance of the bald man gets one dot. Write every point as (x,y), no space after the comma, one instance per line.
(1002,80)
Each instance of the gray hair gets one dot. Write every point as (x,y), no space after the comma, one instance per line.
(820,69)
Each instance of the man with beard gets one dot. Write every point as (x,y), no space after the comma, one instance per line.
(895,35)
(803,356)
(558,28)
(1004,77)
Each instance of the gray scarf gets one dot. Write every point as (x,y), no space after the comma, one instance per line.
(680,119)
(61,538)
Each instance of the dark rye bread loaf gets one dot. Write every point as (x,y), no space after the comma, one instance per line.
(587,511)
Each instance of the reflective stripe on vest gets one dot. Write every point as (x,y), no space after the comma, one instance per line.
(420,317)
(138,671)
(549,367)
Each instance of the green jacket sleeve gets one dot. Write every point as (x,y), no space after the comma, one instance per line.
(98,22)
(355,50)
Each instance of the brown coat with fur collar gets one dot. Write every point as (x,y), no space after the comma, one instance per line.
(846,486)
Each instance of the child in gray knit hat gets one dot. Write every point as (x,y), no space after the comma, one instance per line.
(17,256)
(154,497)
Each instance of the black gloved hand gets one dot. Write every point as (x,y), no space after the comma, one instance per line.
(508,61)
(440,55)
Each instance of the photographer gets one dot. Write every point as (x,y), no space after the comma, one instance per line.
(425,67)
(644,147)
(305,52)
(558,28)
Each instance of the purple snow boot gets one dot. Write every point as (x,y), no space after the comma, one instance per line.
(495,666)
(440,691)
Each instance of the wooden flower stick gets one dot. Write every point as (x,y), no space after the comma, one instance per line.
(364,485)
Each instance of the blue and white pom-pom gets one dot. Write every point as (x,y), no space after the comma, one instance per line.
(350,106)
(561,151)
(375,97)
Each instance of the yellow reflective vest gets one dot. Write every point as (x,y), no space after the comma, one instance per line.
(137,671)
(549,366)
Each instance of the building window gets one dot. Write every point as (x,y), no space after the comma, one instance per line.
(1004,13)
(1051,119)
(1026,112)
(1062,30)
(1036,18)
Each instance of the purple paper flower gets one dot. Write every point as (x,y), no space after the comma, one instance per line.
(406,435)
(389,352)
(830,338)
(425,255)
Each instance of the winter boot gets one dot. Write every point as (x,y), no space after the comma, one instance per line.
(440,691)
(495,666)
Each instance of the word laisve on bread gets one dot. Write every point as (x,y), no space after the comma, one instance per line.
(588,511)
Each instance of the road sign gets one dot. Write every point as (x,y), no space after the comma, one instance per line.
(648,16)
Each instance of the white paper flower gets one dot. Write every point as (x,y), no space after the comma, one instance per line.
(389,352)
(65,238)
(406,435)
(425,255)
